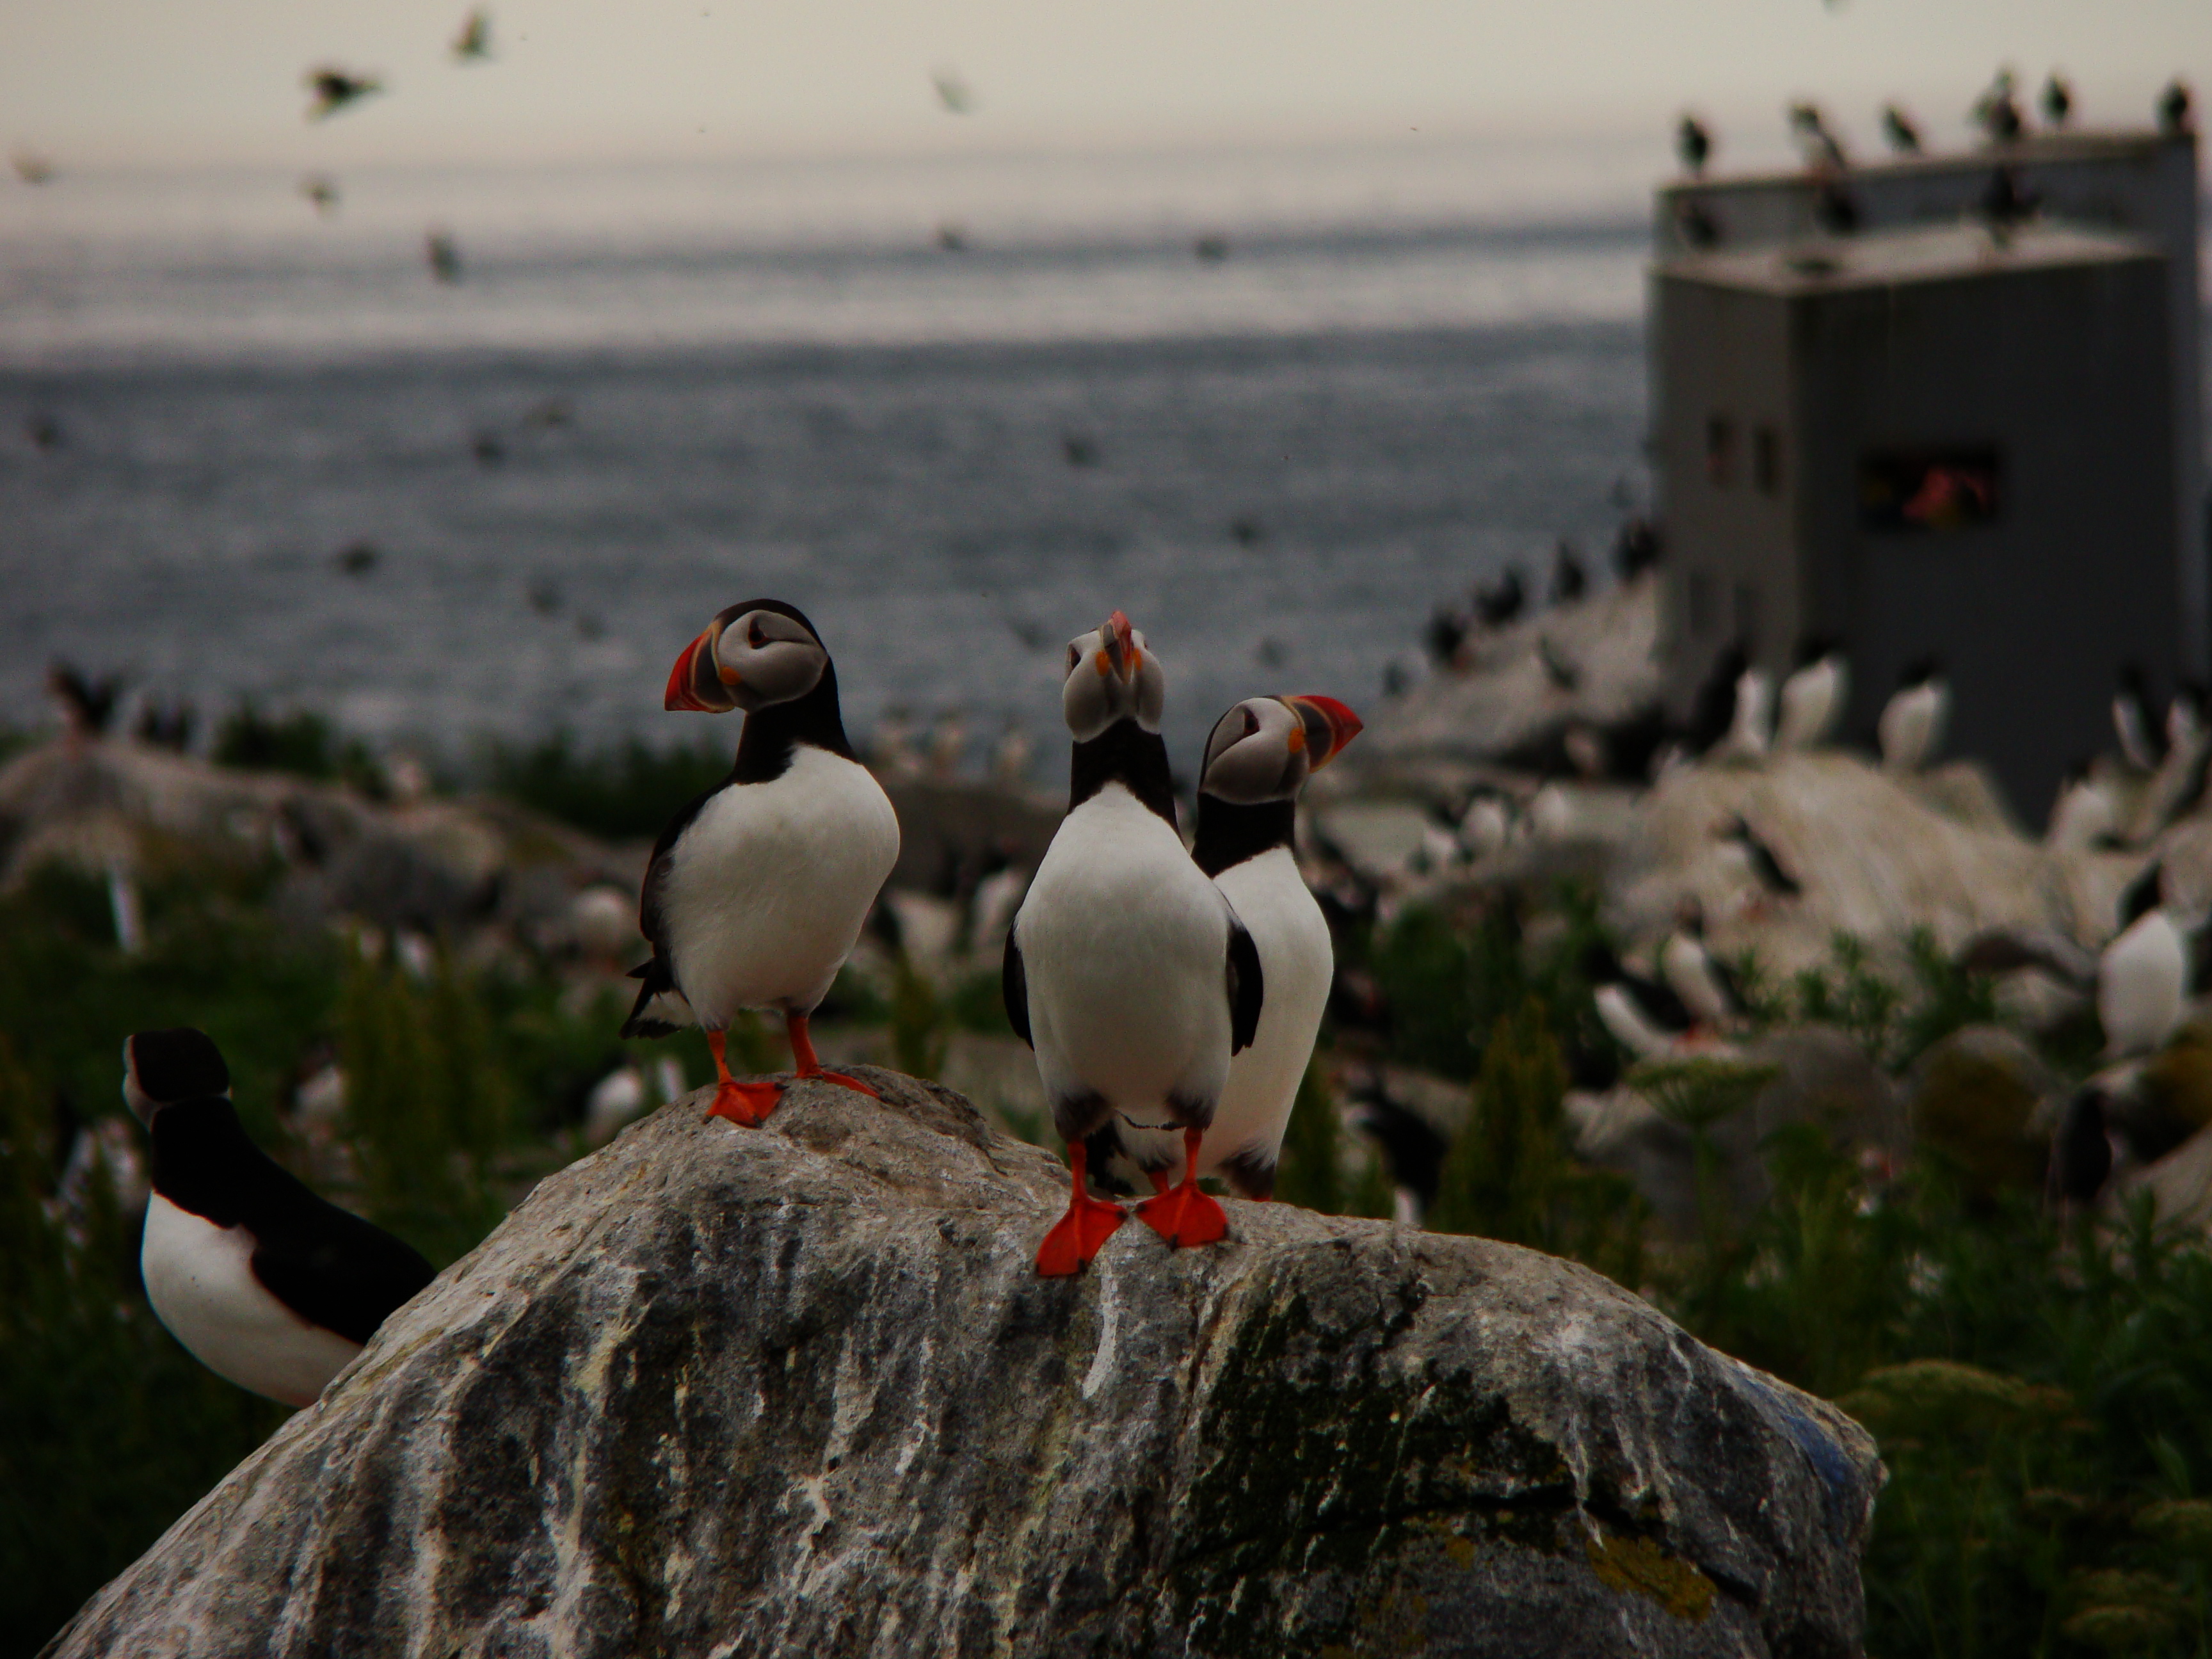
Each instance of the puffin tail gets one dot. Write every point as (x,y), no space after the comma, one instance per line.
(660,1010)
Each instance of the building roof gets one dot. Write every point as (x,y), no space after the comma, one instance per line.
(2035,149)
(1887,258)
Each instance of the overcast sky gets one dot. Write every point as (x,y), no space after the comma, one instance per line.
(94,81)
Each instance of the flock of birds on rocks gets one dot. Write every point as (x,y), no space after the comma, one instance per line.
(1171,995)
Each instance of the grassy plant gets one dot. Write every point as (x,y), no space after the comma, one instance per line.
(624,793)
(301,743)
(1311,1172)
(921,1029)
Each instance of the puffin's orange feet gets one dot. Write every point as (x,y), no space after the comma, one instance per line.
(1188,1215)
(840,1078)
(1159,1180)
(749,1103)
(1078,1236)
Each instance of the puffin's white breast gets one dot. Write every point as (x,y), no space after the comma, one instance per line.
(767,888)
(1124,943)
(199,1276)
(2142,984)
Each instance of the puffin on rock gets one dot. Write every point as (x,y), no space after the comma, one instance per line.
(266,1285)
(1258,756)
(1126,970)
(757,891)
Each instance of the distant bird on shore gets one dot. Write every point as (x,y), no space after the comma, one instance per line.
(1257,760)
(1644,1016)
(2144,976)
(1824,151)
(1499,602)
(473,43)
(1775,881)
(954,95)
(1694,144)
(2057,99)
(1705,986)
(1569,580)
(1636,548)
(1899,129)
(87,704)
(334,89)
(2179,779)
(2085,814)
(443,255)
(1996,112)
(1911,729)
(322,191)
(1485,822)
(2173,111)
(1814,695)
(268,1285)
(757,891)
(1126,970)
(1751,725)
(32,167)
(2141,740)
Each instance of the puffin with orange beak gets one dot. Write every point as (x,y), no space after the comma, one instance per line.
(757,891)
(1258,757)
(1126,970)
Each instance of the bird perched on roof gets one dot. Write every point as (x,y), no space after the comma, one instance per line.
(1996,112)
(1823,149)
(1125,969)
(1911,729)
(2057,99)
(2174,113)
(265,1284)
(1814,695)
(335,89)
(1258,757)
(473,43)
(1899,129)
(1694,144)
(757,891)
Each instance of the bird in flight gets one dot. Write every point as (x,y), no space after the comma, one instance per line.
(473,43)
(334,89)
(953,92)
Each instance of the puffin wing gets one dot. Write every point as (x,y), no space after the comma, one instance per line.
(659,977)
(346,1275)
(1247,987)
(1014,988)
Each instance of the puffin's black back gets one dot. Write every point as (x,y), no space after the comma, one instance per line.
(327,1265)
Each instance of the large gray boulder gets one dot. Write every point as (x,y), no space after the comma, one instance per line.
(798,1390)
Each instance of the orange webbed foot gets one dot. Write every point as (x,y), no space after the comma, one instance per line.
(845,1082)
(1188,1215)
(1076,1237)
(749,1103)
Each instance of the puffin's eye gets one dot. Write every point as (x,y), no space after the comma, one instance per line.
(755,635)
(1251,722)
(1074,657)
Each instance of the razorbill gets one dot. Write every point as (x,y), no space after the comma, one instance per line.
(1257,758)
(1126,970)
(1911,729)
(757,891)
(264,1283)
(1706,989)
(1814,696)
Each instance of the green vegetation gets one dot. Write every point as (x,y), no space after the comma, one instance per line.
(624,793)
(301,743)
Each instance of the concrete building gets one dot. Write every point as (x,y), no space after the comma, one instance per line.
(1934,434)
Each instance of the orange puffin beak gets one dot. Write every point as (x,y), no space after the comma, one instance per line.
(1123,656)
(695,683)
(1329,727)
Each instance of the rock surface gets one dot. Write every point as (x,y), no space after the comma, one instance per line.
(796,1390)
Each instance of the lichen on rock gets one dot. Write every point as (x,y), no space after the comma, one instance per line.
(797,1389)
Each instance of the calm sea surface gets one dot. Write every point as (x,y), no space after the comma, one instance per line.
(655,390)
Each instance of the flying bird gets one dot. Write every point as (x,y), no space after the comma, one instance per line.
(322,191)
(334,88)
(756,892)
(1126,970)
(953,93)
(473,43)
(32,167)
(1258,757)
(1898,127)
(265,1284)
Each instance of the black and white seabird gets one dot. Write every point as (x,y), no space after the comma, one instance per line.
(1911,729)
(1705,986)
(2144,976)
(2057,99)
(1814,695)
(758,890)
(1765,867)
(1258,757)
(266,1285)
(1645,1016)
(2143,742)
(2085,814)
(1126,970)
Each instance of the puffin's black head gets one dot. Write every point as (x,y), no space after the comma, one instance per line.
(1111,676)
(167,1068)
(751,656)
(1265,748)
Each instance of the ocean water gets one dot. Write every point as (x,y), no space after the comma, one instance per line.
(657,390)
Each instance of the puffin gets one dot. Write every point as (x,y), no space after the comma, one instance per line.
(757,891)
(2084,815)
(1258,757)
(1911,729)
(1645,1016)
(266,1285)
(2144,976)
(1814,696)
(2142,744)
(1126,970)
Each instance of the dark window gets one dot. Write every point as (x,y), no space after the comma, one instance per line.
(1720,451)
(1767,460)
(1747,616)
(1910,490)
(1702,619)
